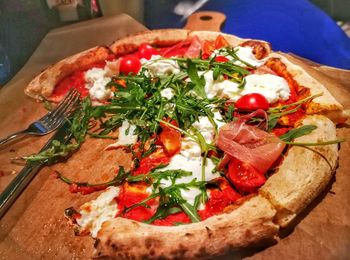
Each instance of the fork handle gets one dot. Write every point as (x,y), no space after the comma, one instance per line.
(12,137)
(12,191)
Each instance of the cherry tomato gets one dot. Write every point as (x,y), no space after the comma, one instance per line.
(244,176)
(221,59)
(129,64)
(251,102)
(146,51)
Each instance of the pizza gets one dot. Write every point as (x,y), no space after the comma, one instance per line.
(228,141)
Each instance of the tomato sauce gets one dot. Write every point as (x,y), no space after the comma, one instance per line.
(133,194)
(130,195)
(75,80)
(278,131)
(219,199)
(173,220)
(159,157)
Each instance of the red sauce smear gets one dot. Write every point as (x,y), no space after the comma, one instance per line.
(130,195)
(219,199)
(75,80)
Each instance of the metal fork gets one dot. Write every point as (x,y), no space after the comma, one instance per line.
(51,120)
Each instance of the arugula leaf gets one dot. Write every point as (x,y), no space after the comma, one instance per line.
(229,117)
(297,132)
(162,212)
(57,150)
(198,81)
(80,121)
(190,210)
(155,174)
(272,122)
(216,72)
(171,197)
(117,180)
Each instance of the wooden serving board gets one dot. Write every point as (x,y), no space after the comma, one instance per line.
(35,227)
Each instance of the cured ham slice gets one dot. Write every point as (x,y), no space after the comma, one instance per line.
(189,48)
(194,49)
(250,144)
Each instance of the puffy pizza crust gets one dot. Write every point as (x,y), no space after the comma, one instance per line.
(43,85)
(156,37)
(304,173)
(127,239)
(326,104)
(166,37)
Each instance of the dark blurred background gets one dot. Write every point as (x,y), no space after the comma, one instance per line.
(24,23)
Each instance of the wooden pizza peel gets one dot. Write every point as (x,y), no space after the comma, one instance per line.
(35,226)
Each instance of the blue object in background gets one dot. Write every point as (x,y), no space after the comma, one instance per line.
(290,26)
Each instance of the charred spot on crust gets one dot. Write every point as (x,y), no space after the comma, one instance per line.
(151,242)
(179,253)
(115,247)
(188,235)
(44,77)
(96,243)
(125,255)
(248,233)
(202,252)
(209,232)
(152,252)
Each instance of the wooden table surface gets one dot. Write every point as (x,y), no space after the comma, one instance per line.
(35,226)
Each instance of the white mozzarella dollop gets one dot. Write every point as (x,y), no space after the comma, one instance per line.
(190,148)
(126,134)
(167,93)
(206,128)
(153,58)
(96,81)
(96,212)
(272,87)
(162,67)
(194,165)
(220,87)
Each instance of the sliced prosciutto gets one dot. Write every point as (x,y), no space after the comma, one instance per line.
(189,48)
(250,144)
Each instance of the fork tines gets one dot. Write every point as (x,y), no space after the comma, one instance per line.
(65,107)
